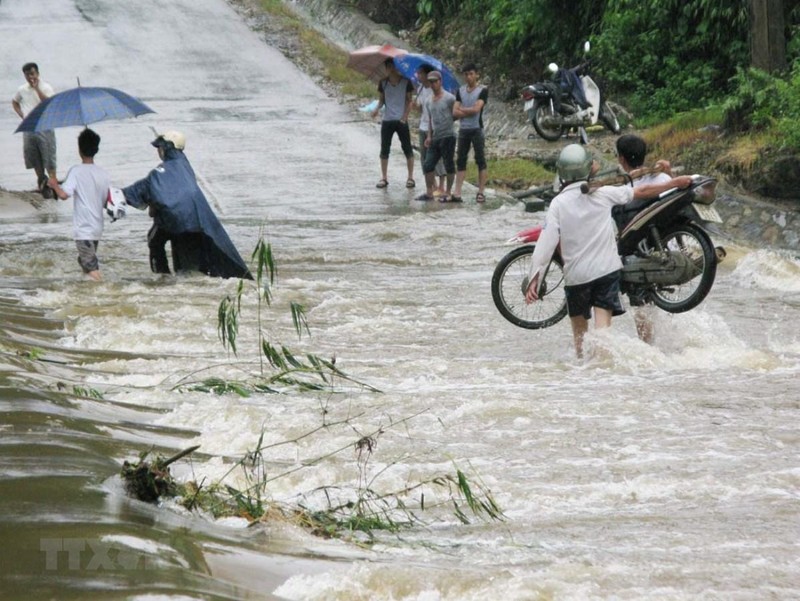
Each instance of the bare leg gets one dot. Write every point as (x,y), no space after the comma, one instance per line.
(460,176)
(41,179)
(579,327)
(450,178)
(430,181)
(410,164)
(384,168)
(644,326)
(602,318)
(483,176)
(95,275)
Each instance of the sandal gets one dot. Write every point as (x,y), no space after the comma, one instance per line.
(410,183)
(382,184)
(454,198)
(424,197)
(479,197)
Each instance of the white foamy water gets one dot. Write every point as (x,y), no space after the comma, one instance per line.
(665,471)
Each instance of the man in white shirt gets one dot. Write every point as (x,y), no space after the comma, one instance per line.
(582,224)
(39,148)
(88,185)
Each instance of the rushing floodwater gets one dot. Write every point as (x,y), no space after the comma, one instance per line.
(663,472)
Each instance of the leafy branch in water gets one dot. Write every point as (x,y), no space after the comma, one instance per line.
(279,367)
(344,511)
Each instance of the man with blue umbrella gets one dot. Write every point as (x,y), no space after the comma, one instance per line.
(38,148)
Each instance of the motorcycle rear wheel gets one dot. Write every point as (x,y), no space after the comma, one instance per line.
(609,118)
(693,242)
(509,283)
(551,133)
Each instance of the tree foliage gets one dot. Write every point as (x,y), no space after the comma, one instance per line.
(656,56)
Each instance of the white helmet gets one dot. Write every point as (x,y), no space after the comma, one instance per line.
(177,139)
(574,163)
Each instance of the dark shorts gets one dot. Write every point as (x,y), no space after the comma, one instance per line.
(442,149)
(602,293)
(474,138)
(87,255)
(423,135)
(388,129)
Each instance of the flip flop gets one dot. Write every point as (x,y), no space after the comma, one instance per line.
(410,183)
(424,197)
(382,184)
(479,197)
(453,199)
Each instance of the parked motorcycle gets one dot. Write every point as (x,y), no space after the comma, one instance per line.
(572,99)
(668,257)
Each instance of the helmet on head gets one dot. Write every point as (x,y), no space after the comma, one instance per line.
(177,139)
(574,163)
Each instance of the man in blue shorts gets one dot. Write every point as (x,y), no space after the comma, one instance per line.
(582,224)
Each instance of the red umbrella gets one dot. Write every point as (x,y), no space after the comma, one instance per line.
(369,60)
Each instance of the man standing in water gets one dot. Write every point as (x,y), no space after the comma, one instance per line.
(182,216)
(38,148)
(88,185)
(582,224)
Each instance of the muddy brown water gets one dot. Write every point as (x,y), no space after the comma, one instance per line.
(664,471)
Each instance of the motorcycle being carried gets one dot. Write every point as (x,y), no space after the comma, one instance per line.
(573,99)
(668,257)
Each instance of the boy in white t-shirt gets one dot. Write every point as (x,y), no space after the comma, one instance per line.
(88,185)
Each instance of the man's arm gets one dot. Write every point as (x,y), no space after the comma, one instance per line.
(545,247)
(17,108)
(409,102)
(56,187)
(138,194)
(651,190)
(381,100)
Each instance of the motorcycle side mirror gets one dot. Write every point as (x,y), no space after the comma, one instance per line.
(552,68)
(586,47)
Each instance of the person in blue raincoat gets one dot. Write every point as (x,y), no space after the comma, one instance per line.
(182,216)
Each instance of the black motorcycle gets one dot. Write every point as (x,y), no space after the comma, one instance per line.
(571,100)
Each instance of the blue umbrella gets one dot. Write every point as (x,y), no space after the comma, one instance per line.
(82,106)
(407,64)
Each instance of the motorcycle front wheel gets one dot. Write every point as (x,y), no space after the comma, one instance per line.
(609,118)
(543,112)
(695,244)
(510,282)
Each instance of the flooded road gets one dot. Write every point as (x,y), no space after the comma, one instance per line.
(666,471)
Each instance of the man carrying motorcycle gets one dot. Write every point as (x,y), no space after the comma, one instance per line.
(631,150)
(582,224)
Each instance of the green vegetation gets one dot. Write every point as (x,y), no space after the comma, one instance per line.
(513,173)
(244,490)
(330,511)
(656,57)
(321,57)
(279,367)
